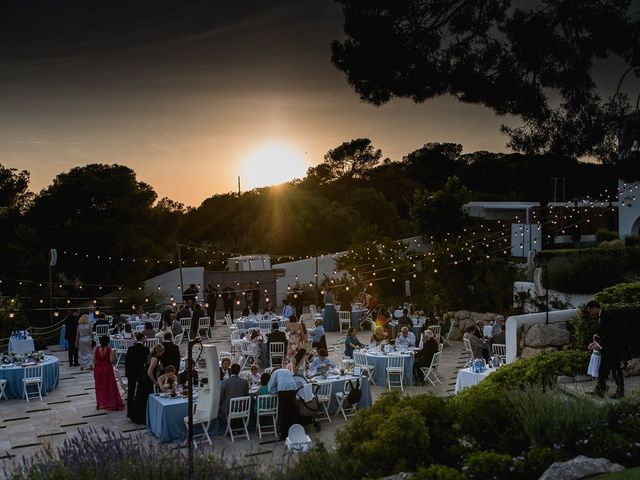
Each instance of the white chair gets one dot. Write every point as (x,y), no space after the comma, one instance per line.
(119,348)
(324,399)
(395,367)
(500,350)
(200,417)
(151,342)
(239,409)
(267,406)
(265,327)
(155,316)
(431,373)
(436,331)
(468,350)
(344,406)
(297,439)
(236,341)
(32,376)
(102,330)
(124,384)
(445,339)
(228,321)
(223,355)
(155,324)
(178,338)
(314,312)
(247,356)
(360,360)
(205,324)
(3,384)
(276,352)
(345,320)
(185,322)
(307,345)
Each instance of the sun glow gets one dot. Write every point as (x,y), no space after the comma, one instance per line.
(270,164)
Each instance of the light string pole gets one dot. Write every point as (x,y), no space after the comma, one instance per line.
(190,369)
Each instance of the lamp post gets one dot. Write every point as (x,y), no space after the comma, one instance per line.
(190,366)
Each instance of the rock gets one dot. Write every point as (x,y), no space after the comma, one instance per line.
(565,379)
(399,476)
(546,335)
(633,367)
(580,467)
(528,352)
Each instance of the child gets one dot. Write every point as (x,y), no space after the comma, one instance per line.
(594,363)
(168,381)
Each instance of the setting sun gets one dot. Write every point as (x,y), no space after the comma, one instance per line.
(271,164)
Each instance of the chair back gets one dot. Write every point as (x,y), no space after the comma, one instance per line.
(267,404)
(307,345)
(324,390)
(155,316)
(499,349)
(344,316)
(467,346)
(297,434)
(32,372)
(204,322)
(276,349)
(240,407)
(223,355)
(265,326)
(178,338)
(151,342)
(359,358)
(102,330)
(185,322)
(435,329)
(435,361)
(235,335)
(312,309)
(155,323)
(397,361)
(117,344)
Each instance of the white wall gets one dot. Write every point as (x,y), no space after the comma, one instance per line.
(574,299)
(169,283)
(629,209)
(305,271)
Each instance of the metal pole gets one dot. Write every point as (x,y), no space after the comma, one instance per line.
(546,289)
(180,266)
(316,278)
(50,289)
(190,366)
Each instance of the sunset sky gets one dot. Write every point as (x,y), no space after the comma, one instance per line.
(192,94)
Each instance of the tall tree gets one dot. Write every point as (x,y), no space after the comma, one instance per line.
(535,62)
(14,193)
(351,160)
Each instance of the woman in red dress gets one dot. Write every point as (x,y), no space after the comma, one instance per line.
(107,393)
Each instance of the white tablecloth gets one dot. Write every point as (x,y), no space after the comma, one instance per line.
(466,378)
(21,346)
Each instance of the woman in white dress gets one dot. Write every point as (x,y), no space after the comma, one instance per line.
(83,342)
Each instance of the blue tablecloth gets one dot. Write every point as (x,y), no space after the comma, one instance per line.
(380,364)
(165,416)
(63,341)
(13,375)
(330,318)
(251,325)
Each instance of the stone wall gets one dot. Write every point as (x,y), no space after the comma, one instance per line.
(537,338)
(463,318)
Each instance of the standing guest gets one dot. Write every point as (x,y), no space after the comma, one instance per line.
(282,384)
(211,295)
(190,294)
(107,393)
(254,338)
(297,334)
(101,319)
(198,313)
(287,311)
(248,296)
(232,387)
(351,342)
(255,298)
(406,338)
(149,331)
(611,339)
(228,298)
(329,315)
(70,332)
(298,362)
(149,379)
(225,365)
(316,332)
(171,355)
(134,369)
(176,326)
(405,320)
(298,299)
(184,311)
(83,342)
(118,318)
(423,358)
(497,327)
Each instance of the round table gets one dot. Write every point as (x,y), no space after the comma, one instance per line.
(380,362)
(13,375)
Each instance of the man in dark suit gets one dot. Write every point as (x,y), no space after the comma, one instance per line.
(70,331)
(612,343)
(276,335)
(232,387)
(228,297)
(134,368)
(171,355)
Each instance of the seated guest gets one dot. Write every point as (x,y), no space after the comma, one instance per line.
(171,355)
(287,310)
(276,335)
(176,326)
(298,362)
(317,332)
(224,368)
(164,328)
(118,328)
(297,328)
(101,320)
(406,338)
(384,316)
(322,364)
(264,381)
(404,320)
(423,357)
(230,388)
(379,337)
(252,376)
(245,312)
(498,326)
(127,334)
(351,342)
(184,375)
(476,343)
(479,330)
(168,381)
(499,338)
(149,331)
(118,318)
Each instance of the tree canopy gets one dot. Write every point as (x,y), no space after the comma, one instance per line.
(535,61)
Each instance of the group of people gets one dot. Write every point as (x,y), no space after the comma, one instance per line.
(481,343)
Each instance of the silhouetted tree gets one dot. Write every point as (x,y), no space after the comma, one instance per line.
(536,62)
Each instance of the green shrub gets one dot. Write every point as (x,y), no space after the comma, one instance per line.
(631,241)
(621,293)
(318,464)
(584,327)
(552,419)
(604,234)
(438,472)
(537,460)
(490,465)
